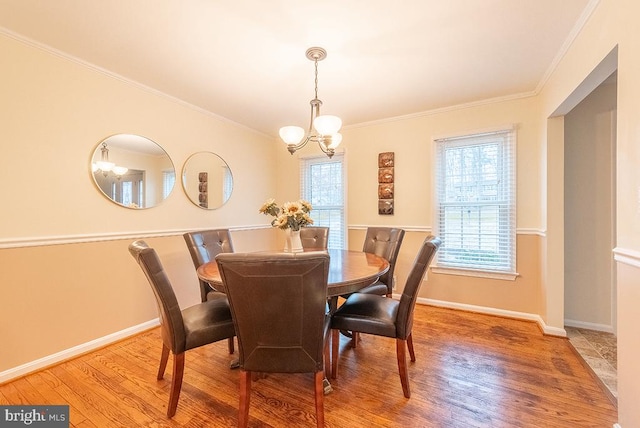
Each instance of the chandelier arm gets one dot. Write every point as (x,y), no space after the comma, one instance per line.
(295,147)
(326,150)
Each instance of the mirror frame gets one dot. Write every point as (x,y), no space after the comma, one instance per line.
(198,187)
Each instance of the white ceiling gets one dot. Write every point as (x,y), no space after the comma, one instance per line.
(245,59)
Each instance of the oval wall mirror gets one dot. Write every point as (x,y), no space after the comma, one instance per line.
(207,180)
(133,171)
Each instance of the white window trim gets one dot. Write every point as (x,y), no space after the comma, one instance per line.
(472,272)
(506,276)
(343,153)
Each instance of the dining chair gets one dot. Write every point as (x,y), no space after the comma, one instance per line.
(278,304)
(314,237)
(204,246)
(384,242)
(382,316)
(181,329)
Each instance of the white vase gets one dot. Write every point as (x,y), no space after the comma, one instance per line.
(292,243)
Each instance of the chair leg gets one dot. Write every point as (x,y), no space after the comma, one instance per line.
(319,398)
(327,357)
(245,398)
(355,338)
(164,358)
(231,346)
(335,344)
(401,347)
(412,354)
(176,383)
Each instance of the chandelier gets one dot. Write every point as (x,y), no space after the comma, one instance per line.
(323,129)
(105,165)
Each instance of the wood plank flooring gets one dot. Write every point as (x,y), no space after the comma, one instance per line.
(472,371)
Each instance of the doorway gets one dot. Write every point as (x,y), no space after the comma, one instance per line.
(589,210)
(589,201)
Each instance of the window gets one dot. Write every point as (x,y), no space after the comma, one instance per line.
(475,203)
(322,184)
(168,181)
(227,184)
(127,189)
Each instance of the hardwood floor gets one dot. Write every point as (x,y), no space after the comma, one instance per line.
(471,371)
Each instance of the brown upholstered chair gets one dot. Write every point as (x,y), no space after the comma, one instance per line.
(384,242)
(181,330)
(314,237)
(381,316)
(278,303)
(203,247)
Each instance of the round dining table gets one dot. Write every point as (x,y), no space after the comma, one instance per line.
(349,271)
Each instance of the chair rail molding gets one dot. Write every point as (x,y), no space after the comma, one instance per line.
(100,237)
(627,256)
(429,229)
(406,228)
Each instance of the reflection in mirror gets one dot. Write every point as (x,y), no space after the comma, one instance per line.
(133,171)
(207,180)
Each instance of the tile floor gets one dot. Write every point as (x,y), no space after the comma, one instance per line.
(599,350)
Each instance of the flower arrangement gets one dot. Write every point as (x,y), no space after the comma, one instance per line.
(292,215)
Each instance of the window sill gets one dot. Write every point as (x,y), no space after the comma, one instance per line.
(506,276)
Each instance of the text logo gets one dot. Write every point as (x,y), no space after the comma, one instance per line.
(53,416)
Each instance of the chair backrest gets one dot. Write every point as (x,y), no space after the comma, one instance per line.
(404,320)
(384,242)
(314,237)
(204,246)
(278,305)
(171,322)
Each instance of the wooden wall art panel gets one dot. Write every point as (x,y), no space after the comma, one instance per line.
(203,195)
(386,165)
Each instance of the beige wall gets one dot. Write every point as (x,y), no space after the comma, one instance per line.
(628,344)
(55,112)
(520,297)
(62,296)
(66,277)
(411,141)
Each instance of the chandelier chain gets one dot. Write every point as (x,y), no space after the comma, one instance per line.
(316,62)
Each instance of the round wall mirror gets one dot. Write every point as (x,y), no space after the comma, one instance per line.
(207,180)
(132,171)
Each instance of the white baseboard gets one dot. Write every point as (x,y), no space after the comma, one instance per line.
(616,425)
(49,360)
(589,326)
(552,331)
